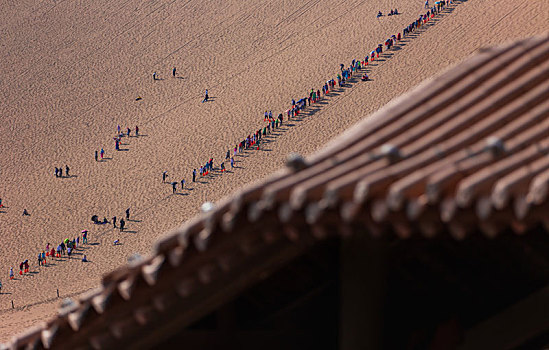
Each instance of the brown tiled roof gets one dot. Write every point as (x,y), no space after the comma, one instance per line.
(462,151)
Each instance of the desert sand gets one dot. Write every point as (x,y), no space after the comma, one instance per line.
(72,70)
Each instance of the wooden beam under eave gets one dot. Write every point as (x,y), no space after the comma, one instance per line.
(362,290)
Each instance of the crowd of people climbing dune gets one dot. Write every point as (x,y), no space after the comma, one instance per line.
(74,245)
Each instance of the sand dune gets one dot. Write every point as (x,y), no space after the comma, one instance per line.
(72,72)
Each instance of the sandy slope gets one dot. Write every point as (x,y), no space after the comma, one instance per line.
(71,71)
